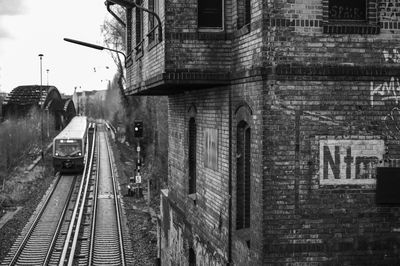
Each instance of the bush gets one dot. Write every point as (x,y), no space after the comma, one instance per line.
(20,137)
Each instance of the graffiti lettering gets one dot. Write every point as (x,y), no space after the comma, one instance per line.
(392,56)
(387,91)
(346,13)
(389,11)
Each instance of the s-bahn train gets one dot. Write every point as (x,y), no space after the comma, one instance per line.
(69,146)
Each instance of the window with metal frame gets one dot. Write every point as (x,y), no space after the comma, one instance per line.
(152,34)
(210,14)
(139,28)
(243,13)
(344,10)
(129,31)
(243,186)
(350,17)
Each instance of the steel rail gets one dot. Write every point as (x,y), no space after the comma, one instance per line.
(79,221)
(35,222)
(79,201)
(117,204)
(95,192)
(59,225)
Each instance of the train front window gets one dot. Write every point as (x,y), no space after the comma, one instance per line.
(68,147)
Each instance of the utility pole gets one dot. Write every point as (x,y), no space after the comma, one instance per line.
(41,107)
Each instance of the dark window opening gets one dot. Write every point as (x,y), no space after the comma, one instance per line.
(388,185)
(139,28)
(243,176)
(244,13)
(344,10)
(350,17)
(129,30)
(210,14)
(192,155)
(152,34)
(192,257)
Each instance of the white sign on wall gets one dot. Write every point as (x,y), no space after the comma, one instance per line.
(211,148)
(350,161)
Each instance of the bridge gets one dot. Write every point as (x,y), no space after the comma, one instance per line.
(22,99)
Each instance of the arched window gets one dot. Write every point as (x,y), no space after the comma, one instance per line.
(243,187)
(192,155)
(192,257)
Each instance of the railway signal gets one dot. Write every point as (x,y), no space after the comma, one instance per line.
(138,129)
(135,182)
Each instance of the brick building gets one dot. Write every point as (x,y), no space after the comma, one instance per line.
(281,113)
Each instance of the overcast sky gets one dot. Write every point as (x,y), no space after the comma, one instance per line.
(32,27)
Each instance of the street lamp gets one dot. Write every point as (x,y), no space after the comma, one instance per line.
(48,115)
(41,111)
(95,46)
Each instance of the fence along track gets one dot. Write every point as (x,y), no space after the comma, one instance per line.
(73,230)
(108,243)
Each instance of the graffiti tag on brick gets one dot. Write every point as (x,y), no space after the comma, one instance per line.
(391,56)
(389,10)
(385,91)
(347,10)
(350,161)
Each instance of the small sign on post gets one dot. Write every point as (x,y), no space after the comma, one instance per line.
(138,179)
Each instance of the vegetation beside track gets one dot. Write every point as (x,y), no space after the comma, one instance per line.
(24,189)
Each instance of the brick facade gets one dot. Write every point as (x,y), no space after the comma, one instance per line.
(318,92)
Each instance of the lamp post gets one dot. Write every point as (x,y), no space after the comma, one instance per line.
(48,111)
(41,107)
(95,46)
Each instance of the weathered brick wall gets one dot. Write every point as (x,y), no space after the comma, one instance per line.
(320,207)
(317,135)
(301,23)
(247,42)
(152,63)
(249,94)
(208,217)
(189,48)
(311,215)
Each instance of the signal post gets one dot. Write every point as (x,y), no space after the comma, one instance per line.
(135,182)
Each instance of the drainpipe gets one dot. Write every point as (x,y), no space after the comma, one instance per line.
(230,181)
(129,4)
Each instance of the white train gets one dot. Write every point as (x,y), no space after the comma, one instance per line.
(69,146)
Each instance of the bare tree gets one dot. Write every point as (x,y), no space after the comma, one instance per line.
(115,37)
(152,110)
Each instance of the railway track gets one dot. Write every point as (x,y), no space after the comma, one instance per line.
(100,238)
(107,245)
(36,240)
(81,219)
